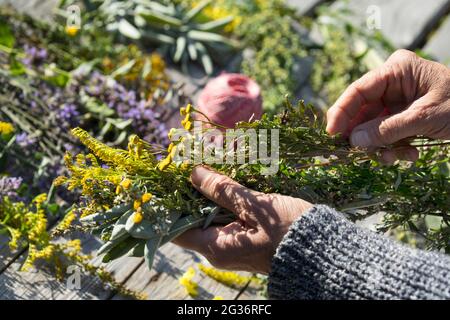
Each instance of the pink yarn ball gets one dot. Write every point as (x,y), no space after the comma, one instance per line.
(230,98)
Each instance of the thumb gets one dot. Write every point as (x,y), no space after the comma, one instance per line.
(227,193)
(386,130)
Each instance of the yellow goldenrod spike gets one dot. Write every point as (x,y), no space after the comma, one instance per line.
(188,108)
(146,197)
(189,285)
(40,198)
(183,111)
(72,30)
(126,184)
(137,204)
(60,180)
(228,278)
(138,217)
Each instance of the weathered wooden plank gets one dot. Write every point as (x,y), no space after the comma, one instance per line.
(439,44)
(251,293)
(6,256)
(304,7)
(41,284)
(162,281)
(405,23)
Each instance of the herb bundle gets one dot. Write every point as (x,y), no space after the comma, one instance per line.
(138,203)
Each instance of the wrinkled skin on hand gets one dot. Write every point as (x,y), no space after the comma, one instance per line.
(406,97)
(250,242)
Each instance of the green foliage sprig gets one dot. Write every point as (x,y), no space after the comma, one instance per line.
(173,28)
(277,53)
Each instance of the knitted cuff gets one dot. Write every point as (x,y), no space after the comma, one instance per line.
(325,256)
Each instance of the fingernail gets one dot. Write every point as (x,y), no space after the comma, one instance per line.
(329,129)
(360,138)
(199,174)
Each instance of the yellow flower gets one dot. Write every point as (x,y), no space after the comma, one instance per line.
(38,200)
(138,217)
(137,204)
(118,189)
(170,147)
(218,298)
(163,164)
(60,180)
(72,30)
(189,285)
(67,220)
(146,197)
(126,184)
(6,128)
(186,110)
(228,278)
(186,119)
(187,125)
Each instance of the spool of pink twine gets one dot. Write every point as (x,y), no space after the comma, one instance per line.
(230,98)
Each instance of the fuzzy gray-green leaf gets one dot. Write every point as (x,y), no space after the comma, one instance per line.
(142,230)
(150,249)
(113,213)
(111,244)
(215,24)
(129,30)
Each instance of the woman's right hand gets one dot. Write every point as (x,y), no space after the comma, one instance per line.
(406,97)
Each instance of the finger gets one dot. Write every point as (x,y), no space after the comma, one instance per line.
(367,90)
(408,153)
(368,112)
(386,130)
(226,192)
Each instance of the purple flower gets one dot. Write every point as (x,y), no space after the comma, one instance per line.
(68,112)
(9,187)
(24,140)
(34,56)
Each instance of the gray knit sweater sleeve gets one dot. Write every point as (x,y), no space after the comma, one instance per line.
(325,256)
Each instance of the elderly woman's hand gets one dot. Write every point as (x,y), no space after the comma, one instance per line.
(406,97)
(250,242)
